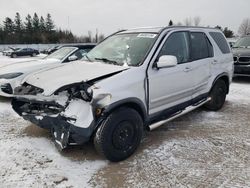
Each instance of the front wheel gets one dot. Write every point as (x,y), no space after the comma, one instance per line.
(13,55)
(119,135)
(218,96)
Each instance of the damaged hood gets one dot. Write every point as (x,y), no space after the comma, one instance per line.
(55,78)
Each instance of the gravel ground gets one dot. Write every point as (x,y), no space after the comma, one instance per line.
(200,149)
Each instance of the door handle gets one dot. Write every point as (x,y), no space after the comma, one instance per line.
(214,62)
(187,69)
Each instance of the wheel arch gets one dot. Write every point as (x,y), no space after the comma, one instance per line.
(133,103)
(225,78)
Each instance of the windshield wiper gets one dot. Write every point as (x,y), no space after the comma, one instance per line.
(87,57)
(107,61)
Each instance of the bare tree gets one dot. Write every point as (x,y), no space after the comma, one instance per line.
(90,36)
(244,28)
(188,21)
(197,20)
(179,24)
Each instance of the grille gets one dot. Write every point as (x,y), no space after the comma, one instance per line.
(244,60)
(27,89)
(6,88)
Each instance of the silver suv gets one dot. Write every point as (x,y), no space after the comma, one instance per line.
(135,80)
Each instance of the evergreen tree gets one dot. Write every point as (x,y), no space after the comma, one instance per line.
(228,33)
(8,30)
(8,26)
(18,23)
(35,30)
(49,23)
(42,24)
(170,23)
(28,29)
(28,24)
(1,35)
(36,23)
(218,27)
(18,28)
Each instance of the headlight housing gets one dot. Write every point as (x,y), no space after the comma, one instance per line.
(10,75)
(78,90)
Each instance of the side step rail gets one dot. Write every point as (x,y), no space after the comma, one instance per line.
(178,114)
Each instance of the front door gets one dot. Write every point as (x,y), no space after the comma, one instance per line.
(171,86)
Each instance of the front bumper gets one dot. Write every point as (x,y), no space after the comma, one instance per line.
(241,70)
(64,118)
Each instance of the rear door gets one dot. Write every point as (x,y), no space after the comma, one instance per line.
(202,57)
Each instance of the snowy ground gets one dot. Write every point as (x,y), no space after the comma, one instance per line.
(200,149)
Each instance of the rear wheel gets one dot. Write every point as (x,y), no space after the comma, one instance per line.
(33,55)
(119,135)
(218,96)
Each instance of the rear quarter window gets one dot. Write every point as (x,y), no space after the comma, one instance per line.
(220,41)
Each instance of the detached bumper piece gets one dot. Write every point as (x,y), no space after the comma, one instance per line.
(47,115)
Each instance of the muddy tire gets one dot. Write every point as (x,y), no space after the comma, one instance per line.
(218,96)
(119,135)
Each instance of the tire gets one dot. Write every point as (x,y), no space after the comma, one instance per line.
(13,55)
(119,135)
(218,96)
(33,55)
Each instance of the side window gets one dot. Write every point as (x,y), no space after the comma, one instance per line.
(177,44)
(79,54)
(220,41)
(200,46)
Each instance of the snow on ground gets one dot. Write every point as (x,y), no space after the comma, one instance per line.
(34,161)
(200,149)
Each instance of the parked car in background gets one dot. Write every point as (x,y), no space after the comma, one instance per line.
(9,51)
(24,52)
(232,41)
(241,51)
(132,81)
(55,48)
(12,75)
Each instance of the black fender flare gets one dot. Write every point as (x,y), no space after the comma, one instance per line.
(131,102)
(225,77)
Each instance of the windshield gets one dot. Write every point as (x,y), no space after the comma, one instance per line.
(243,43)
(123,49)
(61,53)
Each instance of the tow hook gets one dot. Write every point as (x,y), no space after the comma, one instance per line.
(60,136)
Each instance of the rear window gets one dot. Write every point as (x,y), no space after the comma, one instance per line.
(220,41)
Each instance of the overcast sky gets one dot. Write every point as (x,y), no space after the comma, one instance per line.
(110,15)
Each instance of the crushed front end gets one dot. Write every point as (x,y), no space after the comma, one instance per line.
(68,113)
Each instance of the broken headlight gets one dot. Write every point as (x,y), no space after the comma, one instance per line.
(78,90)
(82,93)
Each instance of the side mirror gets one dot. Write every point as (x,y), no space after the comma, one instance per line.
(166,61)
(72,58)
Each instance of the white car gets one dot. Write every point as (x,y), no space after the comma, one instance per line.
(12,75)
(134,80)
